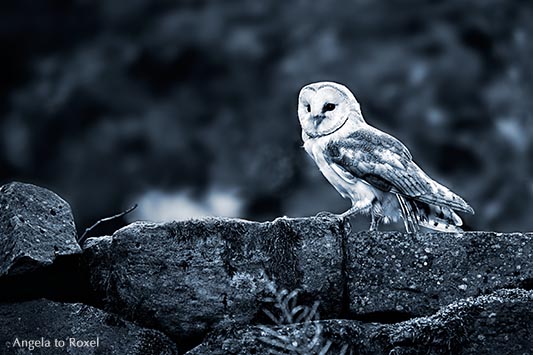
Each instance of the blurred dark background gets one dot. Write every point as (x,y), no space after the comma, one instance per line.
(189,107)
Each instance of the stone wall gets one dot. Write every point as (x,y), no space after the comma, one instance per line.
(214,286)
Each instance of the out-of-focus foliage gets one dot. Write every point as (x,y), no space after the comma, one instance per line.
(105,101)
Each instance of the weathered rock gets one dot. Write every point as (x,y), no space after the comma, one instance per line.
(36,226)
(500,323)
(93,331)
(394,274)
(187,278)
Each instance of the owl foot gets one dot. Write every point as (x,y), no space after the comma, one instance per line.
(325,214)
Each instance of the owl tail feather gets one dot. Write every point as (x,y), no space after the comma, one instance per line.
(439,218)
(416,214)
(409,215)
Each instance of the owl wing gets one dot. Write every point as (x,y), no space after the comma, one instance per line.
(385,163)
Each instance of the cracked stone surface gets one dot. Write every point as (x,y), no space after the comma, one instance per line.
(47,320)
(36,226)
(499,323)
(187,278)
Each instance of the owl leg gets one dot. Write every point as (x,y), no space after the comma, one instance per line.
(375,222)
(350,212)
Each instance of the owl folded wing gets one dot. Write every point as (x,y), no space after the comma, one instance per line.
(385,163)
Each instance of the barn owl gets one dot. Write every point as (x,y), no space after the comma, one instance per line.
(371,168)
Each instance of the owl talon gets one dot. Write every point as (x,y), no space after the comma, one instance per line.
(325,214)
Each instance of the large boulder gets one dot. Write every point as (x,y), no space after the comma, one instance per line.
(187,278)
(500,323)
(47,327)
(395,275)
(36,226)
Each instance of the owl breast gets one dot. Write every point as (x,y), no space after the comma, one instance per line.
(361,194)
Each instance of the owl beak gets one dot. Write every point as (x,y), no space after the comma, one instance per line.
(317,119)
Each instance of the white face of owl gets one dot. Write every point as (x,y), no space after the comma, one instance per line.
(325,107)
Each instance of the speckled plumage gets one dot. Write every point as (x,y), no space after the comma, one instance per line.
(371,168)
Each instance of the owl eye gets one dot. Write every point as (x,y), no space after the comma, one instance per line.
(308,108)
(329,107)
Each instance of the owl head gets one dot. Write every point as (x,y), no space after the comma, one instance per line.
(324,107)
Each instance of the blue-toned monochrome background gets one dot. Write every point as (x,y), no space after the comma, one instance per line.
(189,107)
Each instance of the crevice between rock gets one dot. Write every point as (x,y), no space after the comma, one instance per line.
(62,281)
